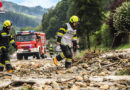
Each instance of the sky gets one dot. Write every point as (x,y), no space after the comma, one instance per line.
(32,3)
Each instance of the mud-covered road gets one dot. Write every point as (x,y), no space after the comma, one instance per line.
(93,71)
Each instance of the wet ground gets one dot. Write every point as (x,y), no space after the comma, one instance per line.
(93,71)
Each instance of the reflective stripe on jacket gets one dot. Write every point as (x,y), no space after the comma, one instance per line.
(68,35)
(5,38)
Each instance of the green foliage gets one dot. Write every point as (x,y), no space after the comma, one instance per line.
(90,14)
(18,19)
(93,40)
(38,28)
(123,46)
(123,72)
(11,49)
(105,35)
(26,29)
(107,4)
(35,11)
(51,40)
(55,18)
(122,17)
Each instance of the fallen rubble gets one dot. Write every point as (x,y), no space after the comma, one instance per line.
(93,71)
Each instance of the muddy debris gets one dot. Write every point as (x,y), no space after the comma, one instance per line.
(93,71)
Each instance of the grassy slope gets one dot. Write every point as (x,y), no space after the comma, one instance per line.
(124,46)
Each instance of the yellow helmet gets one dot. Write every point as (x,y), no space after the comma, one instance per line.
(7,23)
(50,45)
(74,19)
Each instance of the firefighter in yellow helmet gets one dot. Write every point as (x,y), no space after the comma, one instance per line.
(5,39)
(66,35)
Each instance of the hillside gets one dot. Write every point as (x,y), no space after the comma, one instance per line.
(35,11)
(18,20)
(22,16)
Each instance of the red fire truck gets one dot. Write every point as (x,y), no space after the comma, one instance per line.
(30,43)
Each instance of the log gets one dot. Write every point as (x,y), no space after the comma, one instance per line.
(104,67)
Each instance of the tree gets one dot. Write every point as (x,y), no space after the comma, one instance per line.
(90,14)
(122,17)
(55,18)
(117,39)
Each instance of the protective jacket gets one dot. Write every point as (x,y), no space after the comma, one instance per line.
(51,49)
(6,38)
(67,34)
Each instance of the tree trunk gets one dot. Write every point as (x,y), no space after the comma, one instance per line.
(88,41)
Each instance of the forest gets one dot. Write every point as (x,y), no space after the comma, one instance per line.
(18,20)
(102,22)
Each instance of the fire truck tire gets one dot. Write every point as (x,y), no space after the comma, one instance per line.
(19,56)
(37,55)
(43,56)
(26,57)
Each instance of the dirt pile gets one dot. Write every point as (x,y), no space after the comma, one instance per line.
(93,71)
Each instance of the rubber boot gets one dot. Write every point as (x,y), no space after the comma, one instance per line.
(55,61)
(9,68)
(67,64)
(1,69)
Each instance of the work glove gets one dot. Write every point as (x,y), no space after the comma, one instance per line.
(14,45)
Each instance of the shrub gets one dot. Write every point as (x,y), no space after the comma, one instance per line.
(121,19)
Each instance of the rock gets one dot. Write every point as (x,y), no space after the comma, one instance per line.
(87,84)
(70,84)
(84,65)
(60,72)
(75,87)
(48,83)
(46,87)
(40,88)
(47,65)
(7,77)
(121,86)
(79,67)
(65,89)
(79,78)
(74,69)
(96,84)
(104,87)
(113,88)
(81,84)
(17,68)
(69,70)
(84,72)
(55,85)
(102,74)
(37,65)
(85,78)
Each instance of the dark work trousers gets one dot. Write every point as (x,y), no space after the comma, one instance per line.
(51,54)
(66,53)
(5,60)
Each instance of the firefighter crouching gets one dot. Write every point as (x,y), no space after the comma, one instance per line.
(5,39)
(66,35)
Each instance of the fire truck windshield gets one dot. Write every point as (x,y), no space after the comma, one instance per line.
(25,37)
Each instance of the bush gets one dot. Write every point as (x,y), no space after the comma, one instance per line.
(121,19)
(105,35)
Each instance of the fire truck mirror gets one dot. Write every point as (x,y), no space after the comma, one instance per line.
(38,37)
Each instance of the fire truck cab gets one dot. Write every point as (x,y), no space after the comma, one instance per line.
(30,43)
